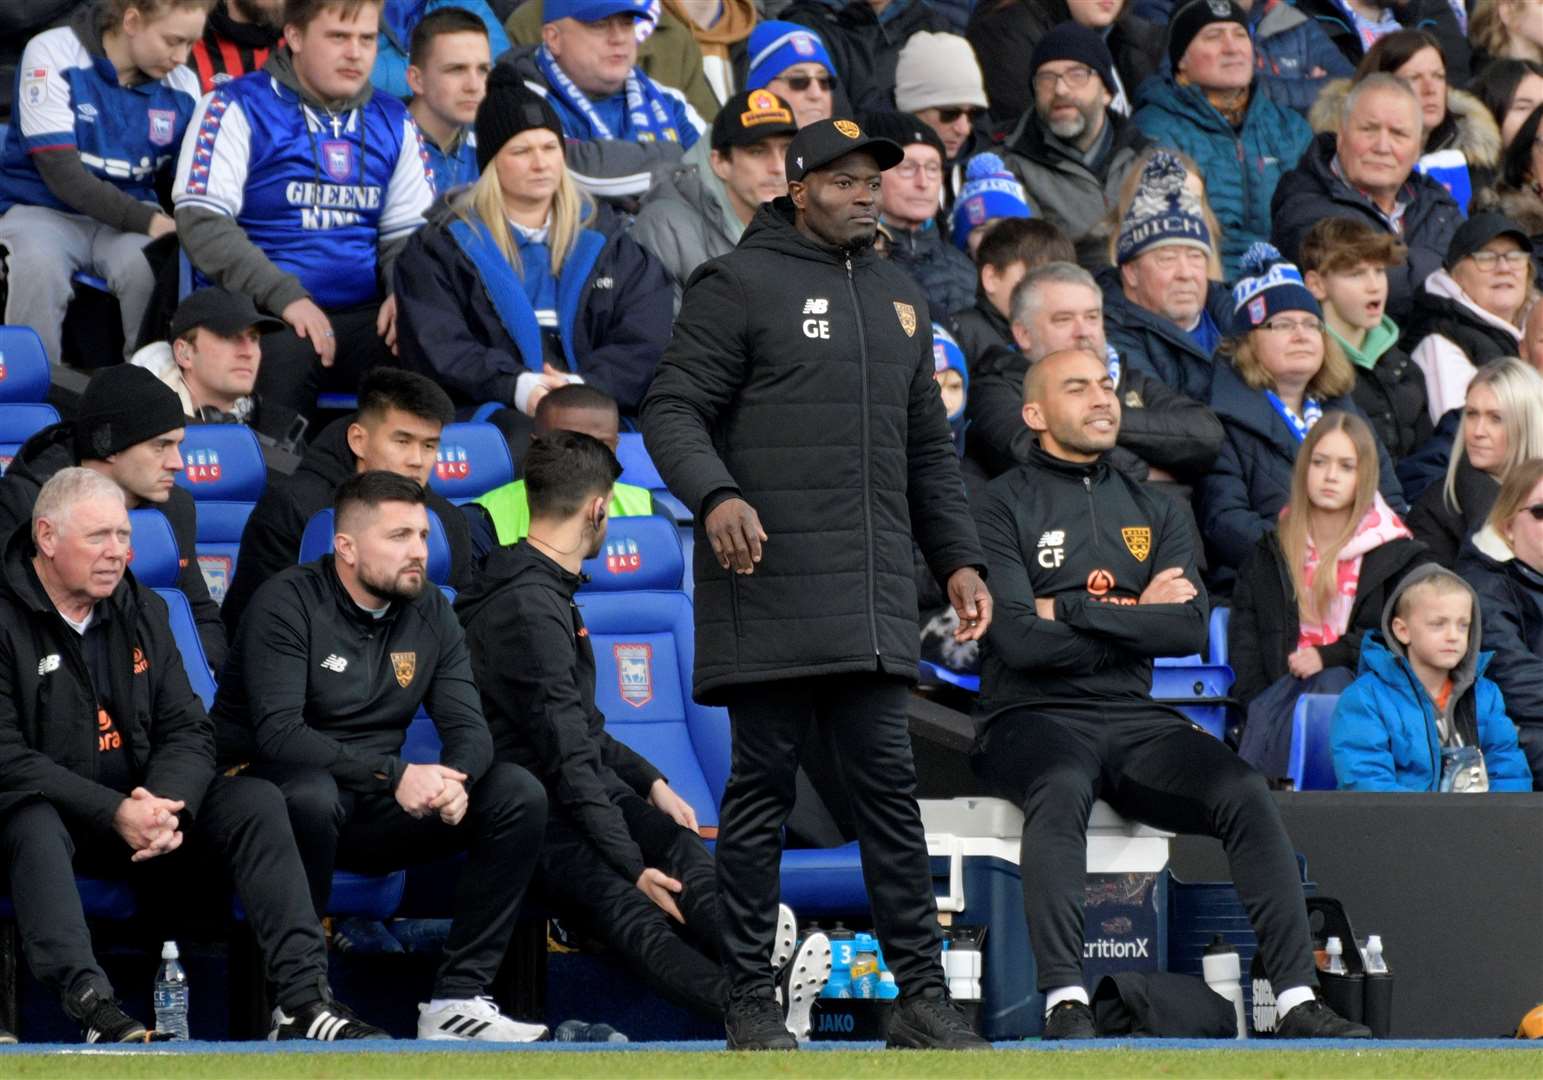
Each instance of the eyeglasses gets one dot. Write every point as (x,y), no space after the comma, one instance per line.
(954,112)
(1076,78)
(1308,325)
(799,83)
(907,170)
(1490,260)
(1536,510)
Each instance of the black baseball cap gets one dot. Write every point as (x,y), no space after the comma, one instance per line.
(750,116)
(220,310)
(1479,230)
(825,141)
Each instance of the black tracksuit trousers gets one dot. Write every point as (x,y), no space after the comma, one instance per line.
(372,834)
(1163,772)
(680,962)
(865,718)
(241,825)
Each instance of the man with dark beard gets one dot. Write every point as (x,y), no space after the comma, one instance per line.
(796,413)
(1072,151)
(238,36)
(333,661)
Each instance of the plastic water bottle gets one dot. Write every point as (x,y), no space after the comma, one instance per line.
(889,990)
(865,967)
(579,1031)
(1376,963)
(962,966)
(171,995)
(1335,951)
(1224,974)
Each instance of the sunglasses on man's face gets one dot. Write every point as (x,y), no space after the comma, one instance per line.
(949,115)
(799,83)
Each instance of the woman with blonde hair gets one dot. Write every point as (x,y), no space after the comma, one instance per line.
(1504,564)
(1275,379)
(1310,589)
(523,284)
(1501,426)
(1506,29)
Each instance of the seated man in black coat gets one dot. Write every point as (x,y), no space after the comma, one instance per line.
(1094,577)
(621,846)
(107,767)
(333,661)
(396,429)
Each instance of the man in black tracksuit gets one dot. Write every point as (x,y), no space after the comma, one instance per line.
(798,392)
(397,428)
(330,666)
(621,846)
(107,767)
(129,427)
(1095,576)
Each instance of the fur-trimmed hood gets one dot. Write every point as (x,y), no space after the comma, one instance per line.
(1478,136)
(1522,205)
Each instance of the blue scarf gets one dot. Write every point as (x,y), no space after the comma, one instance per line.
(1112,358)
(649,116)
(1312,412)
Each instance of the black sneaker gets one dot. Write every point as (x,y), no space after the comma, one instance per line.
(322,1021)
(102,1019)
(1069,1020)
(6,1038)
(1315,1020)
(924,1022)
(755,1023)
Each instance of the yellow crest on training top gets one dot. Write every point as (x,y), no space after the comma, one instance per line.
(404,664)
(1138,541)
(907,318)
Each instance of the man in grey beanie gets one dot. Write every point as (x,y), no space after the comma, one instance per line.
(128,428)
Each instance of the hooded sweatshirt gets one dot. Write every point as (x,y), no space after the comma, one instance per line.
(1379,526)
(1388,733)
(1450,336)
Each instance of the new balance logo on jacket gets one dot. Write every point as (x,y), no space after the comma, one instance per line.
(335,663)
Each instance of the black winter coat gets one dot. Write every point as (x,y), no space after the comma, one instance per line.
(1511,602)
(978,329)
(1242,497)
(53,449)
(1265,622)
(1443,529)
(449,330)
(535,667)
(945,274)
(1147,341)
(864,49)
(1392,397)
(1311,192)
(1092,539)
(315,681)
(831,426)
(1480,340)
(271,540)
(1435,16)
(48,706)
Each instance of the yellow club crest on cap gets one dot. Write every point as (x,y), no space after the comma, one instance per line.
(764,108)
(849,129)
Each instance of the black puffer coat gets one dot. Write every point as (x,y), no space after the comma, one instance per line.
(1444,528)
(800,378)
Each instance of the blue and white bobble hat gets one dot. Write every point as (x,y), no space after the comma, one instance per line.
(776,46)
(1269,285)
(946,354)
(1164,212)
(989,192)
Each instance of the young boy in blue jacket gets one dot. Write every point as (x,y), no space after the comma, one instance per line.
(1421,716)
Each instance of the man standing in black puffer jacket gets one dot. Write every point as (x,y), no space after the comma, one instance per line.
(795,412)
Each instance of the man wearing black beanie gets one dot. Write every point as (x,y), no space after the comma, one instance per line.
(128,428)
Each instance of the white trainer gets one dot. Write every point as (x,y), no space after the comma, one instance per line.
(474,1019)
(803,981)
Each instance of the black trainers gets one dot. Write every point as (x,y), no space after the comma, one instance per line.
(931,1022)
(102,1019)
(322,1021)
(1315,1020)
(755,1023)
(1069,1020)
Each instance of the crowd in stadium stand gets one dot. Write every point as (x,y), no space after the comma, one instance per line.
(1007,340)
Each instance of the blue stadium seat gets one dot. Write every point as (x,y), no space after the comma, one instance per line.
(316,541)
(1196,689)
(640,553)
(24,371)
(109,900)
(1311,762)
(330,401)
(153,549)
(224,470)
(184,631)
(19,421)
(938,673)
(473,459)
(1221,619)
(637,468)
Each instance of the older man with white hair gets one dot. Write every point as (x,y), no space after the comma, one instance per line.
(107,767)
(1365,171)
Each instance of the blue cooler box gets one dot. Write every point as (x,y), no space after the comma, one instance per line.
(975,844)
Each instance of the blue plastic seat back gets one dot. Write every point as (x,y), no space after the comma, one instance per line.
(1221,620)
(473,459)
(637,468)
(640,553)
(316,541)
(153,550)
(19,421)
(644,644)
(24,371)
(222,463)
(184,631)
(1311,762)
